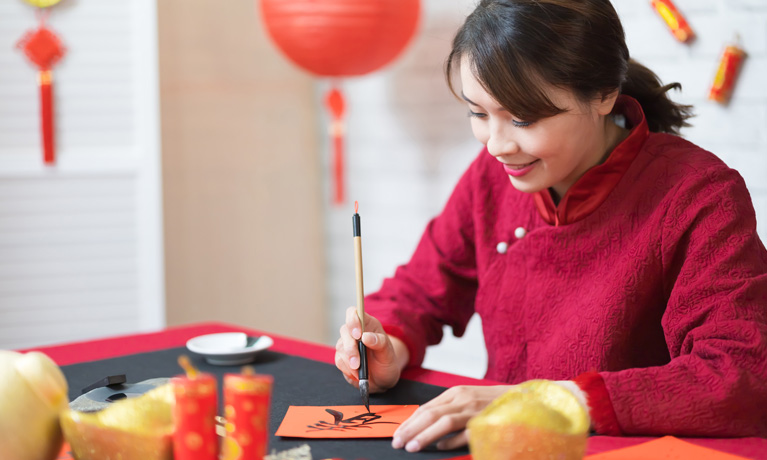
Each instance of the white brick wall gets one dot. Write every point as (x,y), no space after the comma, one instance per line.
(409,140)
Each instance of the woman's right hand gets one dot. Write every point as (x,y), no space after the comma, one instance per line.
(387,355)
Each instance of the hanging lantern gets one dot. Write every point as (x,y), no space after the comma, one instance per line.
(340,38)
(44,49)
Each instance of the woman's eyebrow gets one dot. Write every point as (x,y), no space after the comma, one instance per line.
(463,96)
(468,100)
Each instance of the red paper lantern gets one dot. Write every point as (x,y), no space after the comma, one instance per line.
(335,38)
(340,38)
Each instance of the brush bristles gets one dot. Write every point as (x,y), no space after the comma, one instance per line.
(365,393)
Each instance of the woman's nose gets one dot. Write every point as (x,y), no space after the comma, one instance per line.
(499,144)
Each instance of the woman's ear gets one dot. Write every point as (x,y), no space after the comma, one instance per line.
(605,104)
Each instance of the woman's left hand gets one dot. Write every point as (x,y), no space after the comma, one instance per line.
(443,415)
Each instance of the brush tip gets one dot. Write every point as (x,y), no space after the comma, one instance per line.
(365,393)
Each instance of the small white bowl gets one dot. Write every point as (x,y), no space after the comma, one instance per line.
(228,348)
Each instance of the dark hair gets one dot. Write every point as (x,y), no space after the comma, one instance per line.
(518,47)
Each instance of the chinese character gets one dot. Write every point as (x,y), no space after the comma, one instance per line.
(349,424)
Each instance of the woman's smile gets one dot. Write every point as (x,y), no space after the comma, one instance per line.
(518,170)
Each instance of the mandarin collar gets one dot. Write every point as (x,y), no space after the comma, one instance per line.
(592,189)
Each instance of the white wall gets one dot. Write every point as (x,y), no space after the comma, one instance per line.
(81,241)
(409,140)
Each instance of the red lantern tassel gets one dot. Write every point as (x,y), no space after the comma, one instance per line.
(337,106)
(46,112)
(338,169)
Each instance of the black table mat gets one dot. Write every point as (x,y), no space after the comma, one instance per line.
(297,382)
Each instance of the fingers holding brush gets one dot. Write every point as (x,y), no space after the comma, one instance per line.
(346,352)
(350,375)
(384,367)
(350,334)
(354,327)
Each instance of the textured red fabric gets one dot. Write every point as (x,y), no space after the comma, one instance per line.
(662,289)
(601,410)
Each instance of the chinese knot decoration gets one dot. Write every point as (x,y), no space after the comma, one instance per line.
(44,49)
(340,38)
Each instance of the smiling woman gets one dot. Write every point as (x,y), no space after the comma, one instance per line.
(621,263)
(552,152)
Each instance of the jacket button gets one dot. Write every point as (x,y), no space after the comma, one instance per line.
(520,232)
(502,247)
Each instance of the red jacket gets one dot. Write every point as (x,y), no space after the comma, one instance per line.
(649,272)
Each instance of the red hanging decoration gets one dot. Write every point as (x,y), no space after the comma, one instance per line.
(336,105)
(340,38)
(727,73)
(44,49)
(675,21)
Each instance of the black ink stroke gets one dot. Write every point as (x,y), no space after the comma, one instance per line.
(350,424)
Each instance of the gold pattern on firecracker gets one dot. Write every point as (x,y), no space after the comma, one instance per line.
(230,450)
(202,390)
(252,388)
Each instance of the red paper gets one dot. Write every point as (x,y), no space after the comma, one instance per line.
(343,421)
(666,448)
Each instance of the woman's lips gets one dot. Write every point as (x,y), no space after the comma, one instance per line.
(519,170)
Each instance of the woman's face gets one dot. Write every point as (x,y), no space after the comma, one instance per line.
(549,153)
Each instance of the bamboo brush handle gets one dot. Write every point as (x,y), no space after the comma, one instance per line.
(360,288)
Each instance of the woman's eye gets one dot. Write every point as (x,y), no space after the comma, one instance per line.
(521,124)
(476,114)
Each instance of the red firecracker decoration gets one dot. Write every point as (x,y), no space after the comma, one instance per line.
(340,38)
(727,73)
(675,21)
(194,412)
(44,49)
(246,406)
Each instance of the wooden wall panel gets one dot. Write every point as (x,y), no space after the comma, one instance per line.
(241,173)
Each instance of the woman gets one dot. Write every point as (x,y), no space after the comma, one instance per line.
(621,262)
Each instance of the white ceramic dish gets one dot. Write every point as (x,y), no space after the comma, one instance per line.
(228,348)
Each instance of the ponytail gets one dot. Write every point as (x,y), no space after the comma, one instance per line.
(662,114)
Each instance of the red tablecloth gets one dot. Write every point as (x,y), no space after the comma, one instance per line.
(92,350)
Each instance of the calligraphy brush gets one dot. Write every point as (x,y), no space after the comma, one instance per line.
(363,371)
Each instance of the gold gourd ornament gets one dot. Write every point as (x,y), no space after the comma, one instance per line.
(33,391)
(536,420)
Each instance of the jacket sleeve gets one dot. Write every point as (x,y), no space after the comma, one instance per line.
(715,323)
(438,285)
